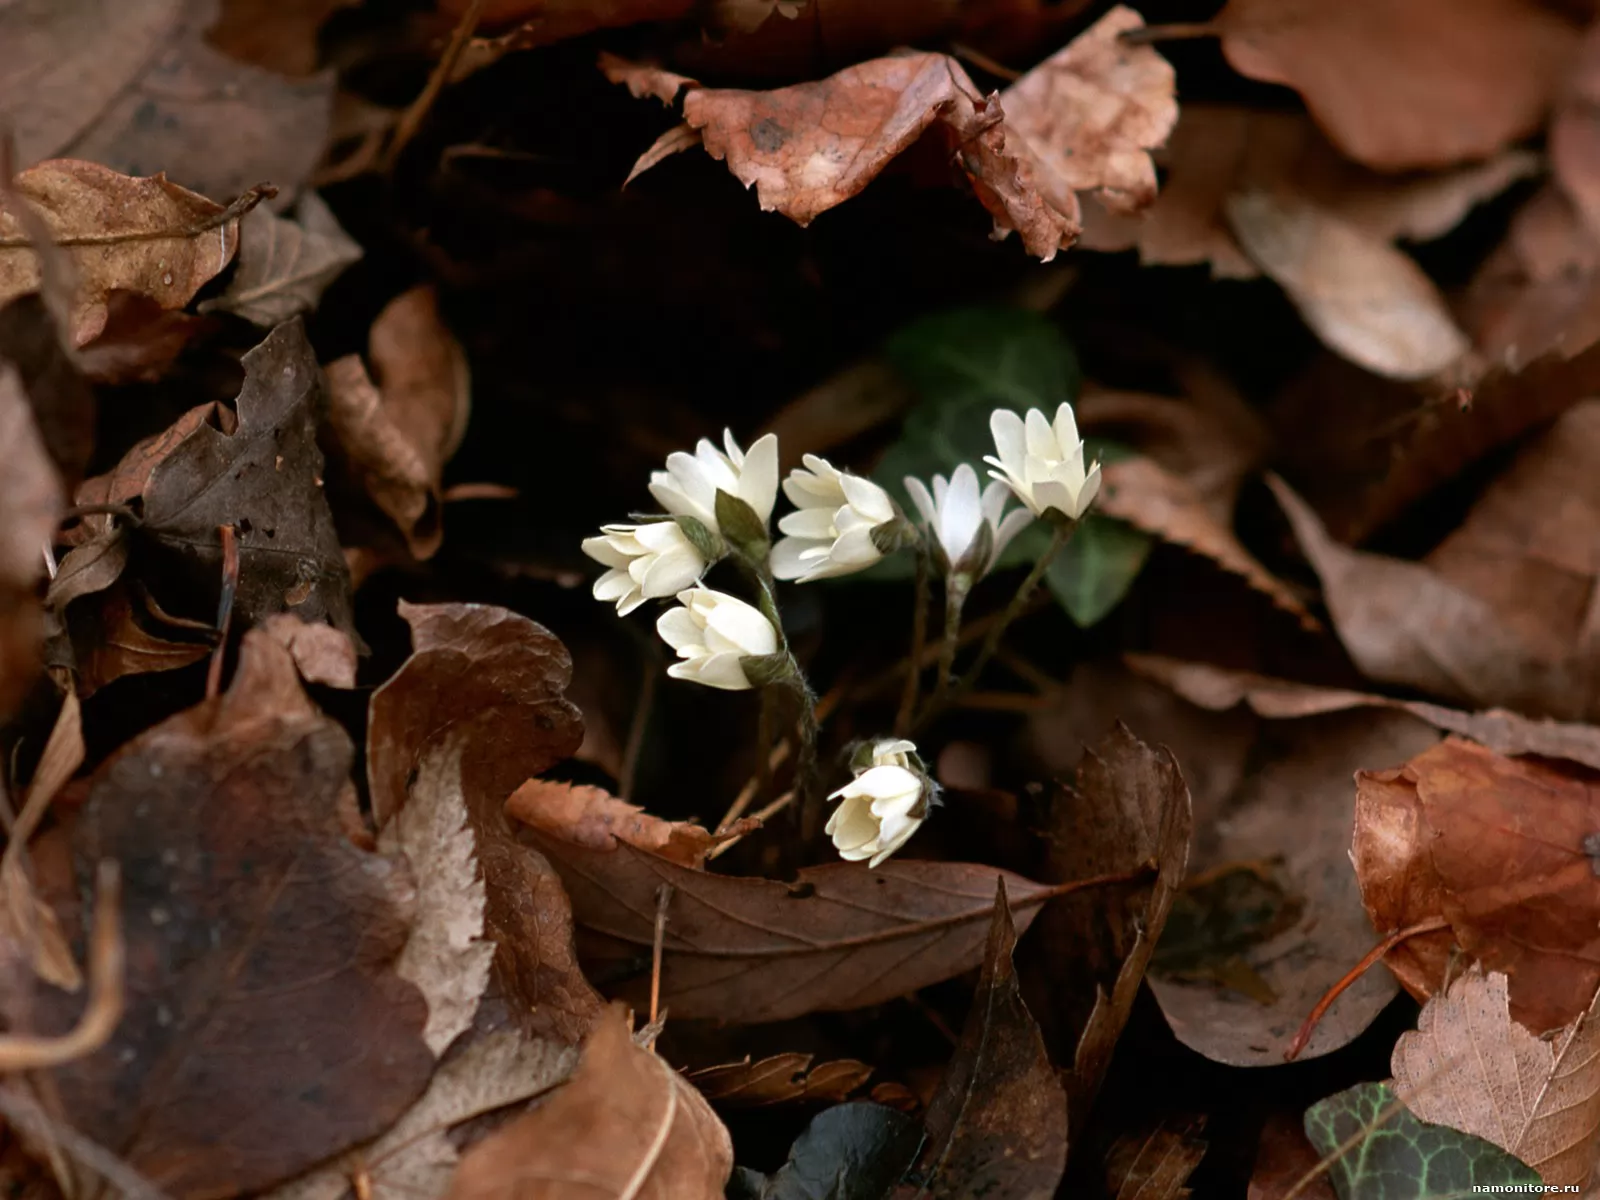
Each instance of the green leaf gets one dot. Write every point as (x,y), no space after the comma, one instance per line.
(1092,575)
(854,1151)
(743,530)
(1397,1157)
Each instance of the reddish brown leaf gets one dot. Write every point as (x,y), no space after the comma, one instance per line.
(30,499)
(321,653)
(626,1125)
(265,1028)
(279,35)
(1499,847)
(1421,84)
(1284,1160)
(593,817)
(490,682)
(781,1079)
(1575,133)
(644,79)
(997,1126)
(110,639)
(1156,1165)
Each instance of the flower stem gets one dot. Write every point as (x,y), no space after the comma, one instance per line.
(946,697)
(919,638)
(956,589)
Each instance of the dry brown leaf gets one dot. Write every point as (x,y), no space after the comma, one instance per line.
(780,1079)
(1499,848)
(644,79)
(446,956)
(279,35)
(1145,495)
(321,653)
(415,1159)
(593,817)
(30,500)
(1426,83)
(1469,1066)
(1157,1165)
(626,1124)
(142,235)
(1092,112)
(1575,133)
(1361,296)
(1285,1161)
(285,265)
(108,639)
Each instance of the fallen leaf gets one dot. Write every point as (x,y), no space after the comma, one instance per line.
(30,501)
(997,1126)
(321,653)
(848,1152)
(1385,1152)
(549,21)
(1291,816)
(399,433)
(265,1029)
(1286,1160)
(1092,112)
(140,340)
(745,950)
(285,265)
(142,235)
(446,956)
(1365,299)
(63,403)
(278,35)
(415,1159)
(1396,86)
(1219,689)
(644,79)
(1498,847)
(1157,1165)
(490,681)
(108,640)
(780,1079)
(594,818)
(1153,499)
(1469,1066)
(1130,807)
(626,1124)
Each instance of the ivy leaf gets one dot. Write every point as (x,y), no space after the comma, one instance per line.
(1098,566)
(1394,1156)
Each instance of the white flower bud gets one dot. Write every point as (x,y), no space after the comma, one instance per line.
(955,514)
(713,632)
(647,562)
(882,806)
(689,485)
(1043,464)
(831,534)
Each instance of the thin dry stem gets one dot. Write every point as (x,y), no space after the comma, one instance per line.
(663,898)
(414,116)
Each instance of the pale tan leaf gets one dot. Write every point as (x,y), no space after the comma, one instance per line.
(1365,299)
(284,266)
(1469,1066)
(644,79)
(447,956)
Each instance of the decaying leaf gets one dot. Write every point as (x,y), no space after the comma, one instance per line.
(30,500)
(997,1126)
(1365,299)
(1469,1066)
(490,682)
(265,1028)
(1157,1165)
(285,265)
(321,653)
(1285,1161)
(593,817)
(780,1079)
(626,1124)
(1499,848)
(142,235)
(1421,84)
(1092,112)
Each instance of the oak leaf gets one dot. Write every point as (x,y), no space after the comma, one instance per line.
(626,1124)
(1469,1066)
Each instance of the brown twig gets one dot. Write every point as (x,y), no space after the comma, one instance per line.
(23,1052)
(658,948)
(1176,32)
(412,120)
(230,588)
(761,816)
(778,756)
(1368,961)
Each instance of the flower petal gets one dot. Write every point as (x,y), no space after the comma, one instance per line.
(926,505)
(961,514)
(743,625)
(758,477)
(1010,440)
(602,551)
(808,523)
(680,630)
(786,562)
(1066,428)
(1041,438)
(867,498)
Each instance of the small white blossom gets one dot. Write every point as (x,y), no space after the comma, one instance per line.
(713,632)
(647,562)
(831,534)
(689,485)
(1043,464)
(955,513)
(882,806)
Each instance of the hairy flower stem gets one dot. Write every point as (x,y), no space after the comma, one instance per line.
(919,638)
(956,589)
(947,697)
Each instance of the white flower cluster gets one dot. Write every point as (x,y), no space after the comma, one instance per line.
(719,502)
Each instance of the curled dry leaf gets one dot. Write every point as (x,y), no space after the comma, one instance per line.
(997,1125)
(780,1079)
(143,235)
(593,817)
(1469,1066)
(321,653)
(1361,296)
(1421,84)
(265,1028)
(490,682)
(626,1124)
(1092,112)
(1147,496)
(399,433)
(1499,848)
(285,265)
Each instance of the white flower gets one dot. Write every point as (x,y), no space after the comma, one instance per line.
(647,562)
(831,534)
(882,806)
(955,514)
(689,485)
(1042,464)
(712,633)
